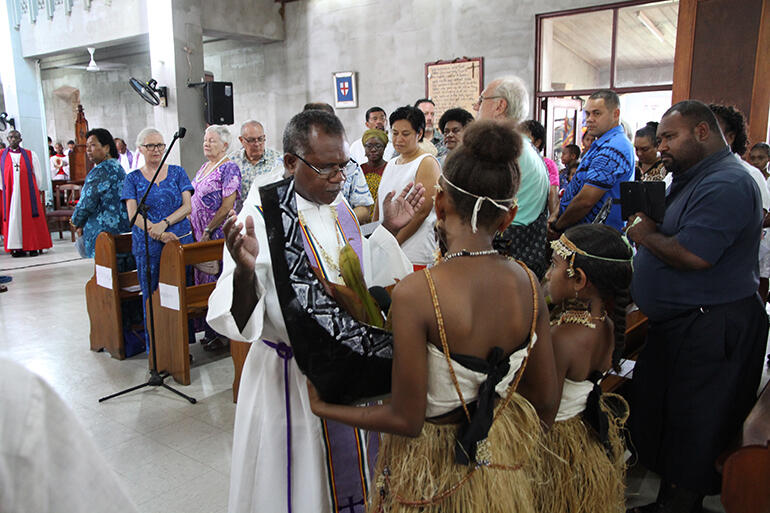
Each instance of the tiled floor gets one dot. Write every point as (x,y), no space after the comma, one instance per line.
(172,456)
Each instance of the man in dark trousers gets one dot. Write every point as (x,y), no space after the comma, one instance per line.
(696,278)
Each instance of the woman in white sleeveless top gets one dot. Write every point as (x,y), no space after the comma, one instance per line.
(407,126)
(473,376)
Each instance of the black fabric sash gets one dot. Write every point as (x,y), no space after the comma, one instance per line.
(347,361)
(595,417)
(470,433)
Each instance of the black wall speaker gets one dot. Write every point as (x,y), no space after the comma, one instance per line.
(218,102)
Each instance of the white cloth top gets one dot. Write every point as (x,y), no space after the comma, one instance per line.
(358,153)
(759,178)
(48,462)
(258,475)
(442,395)
(574,397)
(420,248)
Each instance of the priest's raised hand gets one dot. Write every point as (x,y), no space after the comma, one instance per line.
(243,248)
(396,213)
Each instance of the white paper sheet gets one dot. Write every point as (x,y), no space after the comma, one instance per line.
(368,228)
(104,276)
(626,369)
(169,296)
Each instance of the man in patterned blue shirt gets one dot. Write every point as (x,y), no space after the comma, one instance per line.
(609,161)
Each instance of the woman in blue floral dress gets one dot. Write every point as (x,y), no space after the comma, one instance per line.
(99,208)
(168,202)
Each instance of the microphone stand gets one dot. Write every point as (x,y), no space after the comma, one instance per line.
(156,379)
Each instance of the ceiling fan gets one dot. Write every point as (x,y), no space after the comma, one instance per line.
(92,66)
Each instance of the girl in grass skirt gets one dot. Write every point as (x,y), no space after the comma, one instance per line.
(459,437)
(582,465)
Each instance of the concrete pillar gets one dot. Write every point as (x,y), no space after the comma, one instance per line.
(176,36)
(22,90)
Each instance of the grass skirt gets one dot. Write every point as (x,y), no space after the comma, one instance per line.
(411,471)
(575,473)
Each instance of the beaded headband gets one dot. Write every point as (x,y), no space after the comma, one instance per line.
(567,249)
(499,203)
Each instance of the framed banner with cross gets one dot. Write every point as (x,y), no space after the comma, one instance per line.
(345,91)
(454,83)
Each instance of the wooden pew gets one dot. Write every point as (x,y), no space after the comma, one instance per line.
(105,292)
(636,332)
(746,471)
(175,302)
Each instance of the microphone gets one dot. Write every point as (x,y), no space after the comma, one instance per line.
(382,297)
(181,132)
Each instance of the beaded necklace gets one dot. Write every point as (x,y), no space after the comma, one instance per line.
(465,252)
(580,317)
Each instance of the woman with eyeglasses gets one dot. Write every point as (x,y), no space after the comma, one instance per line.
(407,126)
(374,142)
(168,207)
(452,124)
(217,188)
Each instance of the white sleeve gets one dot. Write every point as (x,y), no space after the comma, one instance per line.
(388,262)
(219,315)
(357,152)
(41,173)
(48,462)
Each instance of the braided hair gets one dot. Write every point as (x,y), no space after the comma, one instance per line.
(612,279)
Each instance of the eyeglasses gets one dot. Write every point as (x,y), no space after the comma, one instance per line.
(254,140)
(482,98)
(330,172)
(154,147)
(374,146)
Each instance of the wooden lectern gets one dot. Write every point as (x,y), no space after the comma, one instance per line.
(79,163)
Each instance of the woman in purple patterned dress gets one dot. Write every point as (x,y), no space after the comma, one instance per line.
(217,186)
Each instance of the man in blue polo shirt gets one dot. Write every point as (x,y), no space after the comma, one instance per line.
(696,278)
(609,161)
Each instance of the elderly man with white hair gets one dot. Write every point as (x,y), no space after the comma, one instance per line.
(506,99)
(254,158)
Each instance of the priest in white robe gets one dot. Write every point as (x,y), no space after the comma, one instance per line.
(244,306)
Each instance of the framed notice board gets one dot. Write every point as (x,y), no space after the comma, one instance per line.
(455,83)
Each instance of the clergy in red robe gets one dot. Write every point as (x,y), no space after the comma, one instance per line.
(23,215)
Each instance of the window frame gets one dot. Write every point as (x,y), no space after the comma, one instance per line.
(615,7)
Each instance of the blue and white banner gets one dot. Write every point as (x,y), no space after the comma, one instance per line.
(345,94)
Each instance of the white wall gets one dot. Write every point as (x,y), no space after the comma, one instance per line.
(387,43)
(108,101)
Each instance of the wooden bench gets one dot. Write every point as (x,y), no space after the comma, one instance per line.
(175,302)
(105,292)
(636,333)
(746,471)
